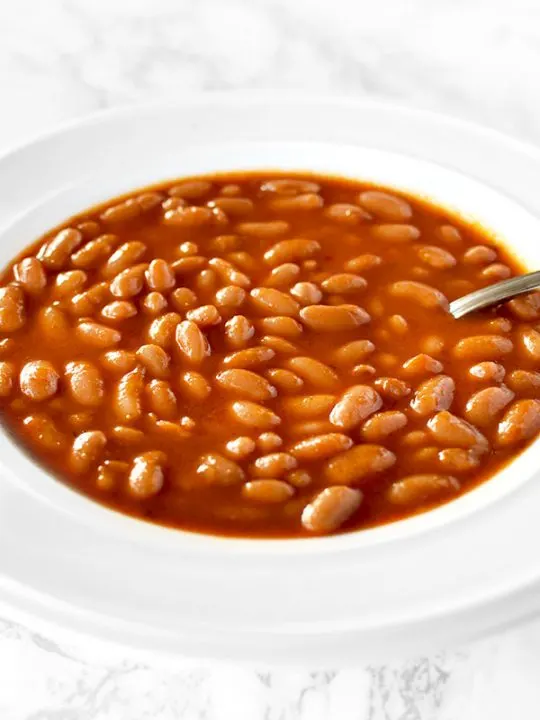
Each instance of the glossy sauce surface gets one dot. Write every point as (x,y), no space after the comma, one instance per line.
(266,356)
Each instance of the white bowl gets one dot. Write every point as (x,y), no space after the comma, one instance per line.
(441,577)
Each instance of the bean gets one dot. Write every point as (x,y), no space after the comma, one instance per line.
(191,189)
(53,323)
(12,312)
(457,460)
(483,407)
(188,265)
(123,258)
(395,233)
(268,441)
(344,283)
(330,509)
(315,372)
(196,385)
(43,431)
(385,206)
(97,335)
(85,383)
(234,206)
(57,251)
(305,201)
(436,257)
(323,318)
(287,251)
(88,301)
(68,283)
(451,431)
(229,274)
(433,395)
(254,415)
(7,376)
(299,478)
(225,243)
(362,263)
(422,364)
(146,475)
(289,186)
(285,380)
(274,465)
(320,447)
(129,282)
(416,489)
(89,228)
(162,399)
(121,212)
(240,447)
(30,275)
(495,272)
(273,302)
(159,275)
(488,370)
(352,352)
(264,230)
(524,382)
(306,293)
(432,345)
(155,360)
(93,252)
(483,347)
(525,307)
(520,422)
(119,361)
(282,326)
(309,406)
(282,275)
(188,248)
(267,491)
(86,450)
(382,424)
(425,295)
(230,296)
(162,329)
(191,342)
(189,217)
(248,358)
(238,331)
(172,431)
(361,461)
(216,469)
(124,435)
(479,255)
(119,310)
(38,380)
(204,315)
(346,213)
(530,344)
(355,405)
(206,281)
(279,345)
(246,383)
(127,403)
(108,472)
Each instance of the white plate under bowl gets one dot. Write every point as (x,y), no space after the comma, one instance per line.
(441,578)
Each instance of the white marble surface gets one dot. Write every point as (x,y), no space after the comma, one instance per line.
(479,59)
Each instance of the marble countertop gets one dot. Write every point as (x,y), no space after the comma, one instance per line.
(477,59)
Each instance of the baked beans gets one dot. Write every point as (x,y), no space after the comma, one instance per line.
(267,356)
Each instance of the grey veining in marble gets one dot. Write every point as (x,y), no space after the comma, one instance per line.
(59,59)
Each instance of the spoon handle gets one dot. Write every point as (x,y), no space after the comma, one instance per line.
(494,294)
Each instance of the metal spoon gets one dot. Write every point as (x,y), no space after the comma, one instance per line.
(493,294)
